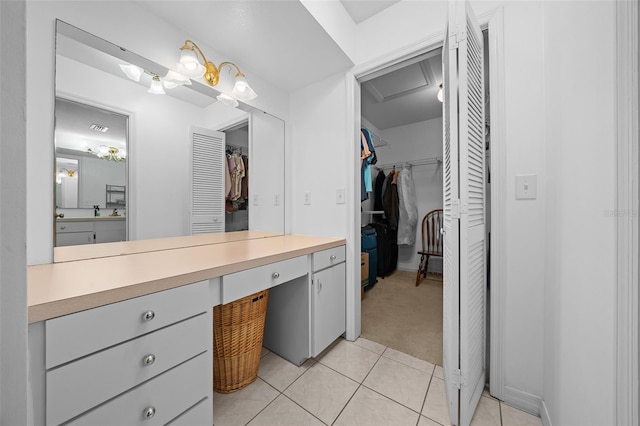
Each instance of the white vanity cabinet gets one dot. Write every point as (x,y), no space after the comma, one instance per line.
(74,233)
(328,298)
(306,314)
(145,361)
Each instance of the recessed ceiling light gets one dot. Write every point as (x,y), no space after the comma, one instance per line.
(99,128)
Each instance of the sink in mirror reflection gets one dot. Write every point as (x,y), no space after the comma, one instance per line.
(141,173)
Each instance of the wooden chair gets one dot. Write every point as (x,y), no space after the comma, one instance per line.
(432,241)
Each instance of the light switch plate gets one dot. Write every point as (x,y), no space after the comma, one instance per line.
(339,195)
(526,187)
(307,198)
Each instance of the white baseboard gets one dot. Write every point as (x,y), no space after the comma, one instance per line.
(522,400)
(544,414)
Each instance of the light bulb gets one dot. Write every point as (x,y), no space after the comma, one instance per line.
(156,86)
(189,64)
(242,90)
(440,94)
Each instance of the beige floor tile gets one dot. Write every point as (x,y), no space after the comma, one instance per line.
(322,392)
(239,407)
(399,382)
(405,359)
(264,352)
(350,359)
(438,372)
(279,372)
(487,413)
(436,406)
(370,345)
(284,412)
(424,421)
(368,408)
(514,417)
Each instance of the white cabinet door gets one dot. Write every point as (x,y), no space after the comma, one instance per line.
(328,307)
(74,238)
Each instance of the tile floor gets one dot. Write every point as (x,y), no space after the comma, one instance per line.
(352,383)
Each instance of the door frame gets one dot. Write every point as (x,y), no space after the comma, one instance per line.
(494,22)
(626,213)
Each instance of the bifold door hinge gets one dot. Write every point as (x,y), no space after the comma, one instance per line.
(455,209)
(457,379)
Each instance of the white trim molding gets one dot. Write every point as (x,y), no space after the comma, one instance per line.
(627,213)
(523,400)
(498,160)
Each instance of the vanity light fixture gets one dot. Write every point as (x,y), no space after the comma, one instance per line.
(440,93)
(190,66)
(110,153)
(132,71)
(64,172)
(173,79)
(156,86)
(227,100)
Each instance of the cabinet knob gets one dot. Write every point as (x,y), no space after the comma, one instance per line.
(148,316)
(332,257)
(275,275)
(149,412)
(149,359)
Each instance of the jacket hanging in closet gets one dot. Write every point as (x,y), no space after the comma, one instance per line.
(367,158)
(390,200)
(407,207)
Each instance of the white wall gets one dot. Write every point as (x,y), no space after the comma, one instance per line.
(13,274)
(412,142)
(580,261)
(123,23)
(319,162)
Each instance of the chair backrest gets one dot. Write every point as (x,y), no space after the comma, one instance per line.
(432,238)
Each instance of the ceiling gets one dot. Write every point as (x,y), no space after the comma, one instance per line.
(405,93)
(361,10)
(73,121)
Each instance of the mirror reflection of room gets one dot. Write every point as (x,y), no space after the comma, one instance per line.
(237,189)
(152,196)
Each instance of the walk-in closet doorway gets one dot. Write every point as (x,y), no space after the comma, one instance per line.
(401,121)
(492,36)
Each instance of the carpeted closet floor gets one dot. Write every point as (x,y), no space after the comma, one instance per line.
(404,317)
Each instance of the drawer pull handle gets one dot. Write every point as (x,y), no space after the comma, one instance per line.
(332,257)
(63,227)
(149,412)
(275,275)
(149,359)
(148,316)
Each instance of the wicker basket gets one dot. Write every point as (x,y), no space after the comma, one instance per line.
(238,328)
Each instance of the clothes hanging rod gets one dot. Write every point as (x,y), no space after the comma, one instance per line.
(419,162)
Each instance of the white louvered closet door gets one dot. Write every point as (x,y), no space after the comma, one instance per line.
(451,227)
(207,181)
(465,52)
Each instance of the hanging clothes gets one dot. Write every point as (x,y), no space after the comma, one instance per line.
(239,174)
(365,169)
(407,207)
(377,193)
(227,178)
(390,200)
(232,168)
(244,192)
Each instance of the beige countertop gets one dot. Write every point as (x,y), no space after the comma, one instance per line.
(89,218)
(93,251)
(63,288)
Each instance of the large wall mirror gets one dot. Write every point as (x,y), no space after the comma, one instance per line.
(124,156)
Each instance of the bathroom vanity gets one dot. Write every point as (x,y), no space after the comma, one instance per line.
(90,230)
(129,337)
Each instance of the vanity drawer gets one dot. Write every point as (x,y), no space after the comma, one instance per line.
(72,336)
(196,415)
(62,227)
(78,386)
(166,396)
(325,258)
(244,283)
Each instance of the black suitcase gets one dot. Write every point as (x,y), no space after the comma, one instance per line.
(387,240)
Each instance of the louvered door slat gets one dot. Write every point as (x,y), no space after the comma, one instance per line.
(207,181)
